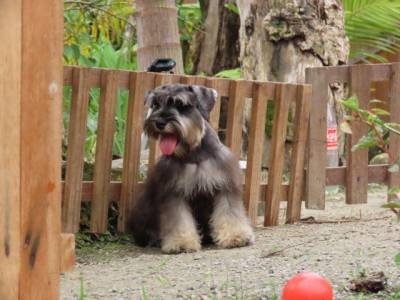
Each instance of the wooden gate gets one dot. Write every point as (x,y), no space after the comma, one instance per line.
(357,174)
(101,191)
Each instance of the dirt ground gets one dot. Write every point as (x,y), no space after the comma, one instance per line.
(346,241)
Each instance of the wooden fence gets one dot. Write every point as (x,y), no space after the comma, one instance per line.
(357,174)
(102,191)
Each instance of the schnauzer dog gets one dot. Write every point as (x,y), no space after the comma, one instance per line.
(193,195)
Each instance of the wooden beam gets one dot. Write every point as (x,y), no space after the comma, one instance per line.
(30,127)
(10,116)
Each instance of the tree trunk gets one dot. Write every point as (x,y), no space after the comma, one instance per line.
(217,47)
(280,39)
(157,33)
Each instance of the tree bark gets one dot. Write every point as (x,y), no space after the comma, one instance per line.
(280,39)
(157,33)
(217,47)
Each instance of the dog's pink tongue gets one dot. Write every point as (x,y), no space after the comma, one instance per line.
(168,144)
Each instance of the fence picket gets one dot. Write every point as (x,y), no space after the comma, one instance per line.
(296,186)
(284,94)
(357,162)
(394,146)
(262,93)
(238,91)
(139,83)
(103,159)
(71,204)
(316,156)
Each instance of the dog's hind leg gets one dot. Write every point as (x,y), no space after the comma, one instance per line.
(229,224)
(178,228)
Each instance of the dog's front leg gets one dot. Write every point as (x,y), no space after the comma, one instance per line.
(178,228)
(229,224)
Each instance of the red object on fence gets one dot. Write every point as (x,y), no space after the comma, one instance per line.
(331,138)
(307,286)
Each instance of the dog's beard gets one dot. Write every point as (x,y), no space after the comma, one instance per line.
(180,136)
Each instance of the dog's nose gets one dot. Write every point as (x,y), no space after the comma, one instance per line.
(160,124)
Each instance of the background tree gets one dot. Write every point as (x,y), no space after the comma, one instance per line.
(216,47)
(157,33)
(280,39)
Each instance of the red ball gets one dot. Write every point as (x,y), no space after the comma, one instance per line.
(307,286)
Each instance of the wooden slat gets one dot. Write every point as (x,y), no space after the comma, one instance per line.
(196,80)
(71,205)
(140,83)
(216,84)
(357,162)
(262,93)
(10,135)
(115,191)
(293,212)
(394,139)
(316,154)
(376,174)
(334,176)
(160,79)
(102,169)
(285,93)
(67,79)
(238,92)
(67,255)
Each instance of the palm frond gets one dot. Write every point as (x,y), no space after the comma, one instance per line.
(372,26)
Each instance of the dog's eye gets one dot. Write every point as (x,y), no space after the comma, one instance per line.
(180,105)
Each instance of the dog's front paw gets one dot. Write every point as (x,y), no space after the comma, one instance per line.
(181,245)
(239,235)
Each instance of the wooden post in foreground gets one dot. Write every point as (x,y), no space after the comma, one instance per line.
(30,149)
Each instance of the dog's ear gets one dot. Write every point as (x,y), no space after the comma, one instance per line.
(206,98)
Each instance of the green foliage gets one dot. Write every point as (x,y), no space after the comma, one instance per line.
(190,21)
(397,259)
(231,74)
(94,37)
(232,7)
(372,26)
(82,295)
(94,31)
(377,135)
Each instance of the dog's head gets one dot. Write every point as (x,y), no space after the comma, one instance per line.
(177,115)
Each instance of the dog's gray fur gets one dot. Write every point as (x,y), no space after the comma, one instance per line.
(193,196)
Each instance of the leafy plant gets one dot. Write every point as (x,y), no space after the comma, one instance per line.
(231,74)
(372,26)
(376,137)
(82,295)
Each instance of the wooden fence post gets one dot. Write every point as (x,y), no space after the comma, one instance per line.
(30,153)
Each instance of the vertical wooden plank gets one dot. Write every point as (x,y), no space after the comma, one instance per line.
(102,169)
(67,255)
(215,84)
(160,79)
(262,93)
(285,93)
(357,162)
(296,185)
(394,99)
(41,119)
(317,154)
(71,205)
(139,83)
(235,115)
(10,93)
